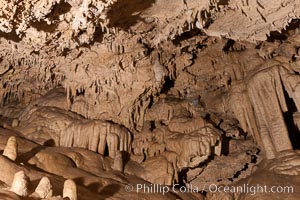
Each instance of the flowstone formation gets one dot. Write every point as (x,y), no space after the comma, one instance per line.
(100,96)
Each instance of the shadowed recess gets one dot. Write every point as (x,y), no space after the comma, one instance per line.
(126,13)
(58,9)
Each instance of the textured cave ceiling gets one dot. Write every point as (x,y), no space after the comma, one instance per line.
(186,88)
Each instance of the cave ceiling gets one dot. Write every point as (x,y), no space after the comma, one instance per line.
(189,84)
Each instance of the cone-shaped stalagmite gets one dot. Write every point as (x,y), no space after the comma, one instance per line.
(44,188)
(11,148)
(70,190)
(20,184)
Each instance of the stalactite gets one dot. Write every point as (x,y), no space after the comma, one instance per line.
(268,104)
(73,131)
(239,103)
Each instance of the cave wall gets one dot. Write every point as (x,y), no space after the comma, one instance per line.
(188,85)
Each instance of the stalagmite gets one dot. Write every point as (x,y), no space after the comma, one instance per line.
(107,93)
(20,184)
(14,123)
(70,190)
(44,188)
(11,148)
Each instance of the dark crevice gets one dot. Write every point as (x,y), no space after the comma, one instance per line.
(148,49)
(293,26)
(106,152)
(80,92)
(125,14)
(254,158)
(98,36)
(12,36)
(151,101)
(169,83)
(294,132)
(152,125)
(186,35)
(65,52)
(284,33)
(58,9)
(182,177)
(275,35)
(207,16)
(223,2)
(228,46)
(238,173)
(43,26)
(225,145)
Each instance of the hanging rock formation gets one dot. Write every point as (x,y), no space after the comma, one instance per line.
(118,163)
(71,130)
(96,95)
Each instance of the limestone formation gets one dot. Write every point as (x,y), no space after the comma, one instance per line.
(110,94)
(15,123)
(44,188)
(11,148)
(118,163)
(20,184)
(71,130)
(70,190)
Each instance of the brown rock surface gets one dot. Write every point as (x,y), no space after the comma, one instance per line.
(112,99)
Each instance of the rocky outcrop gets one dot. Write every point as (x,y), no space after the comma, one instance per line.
(161,91)
(53,125)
